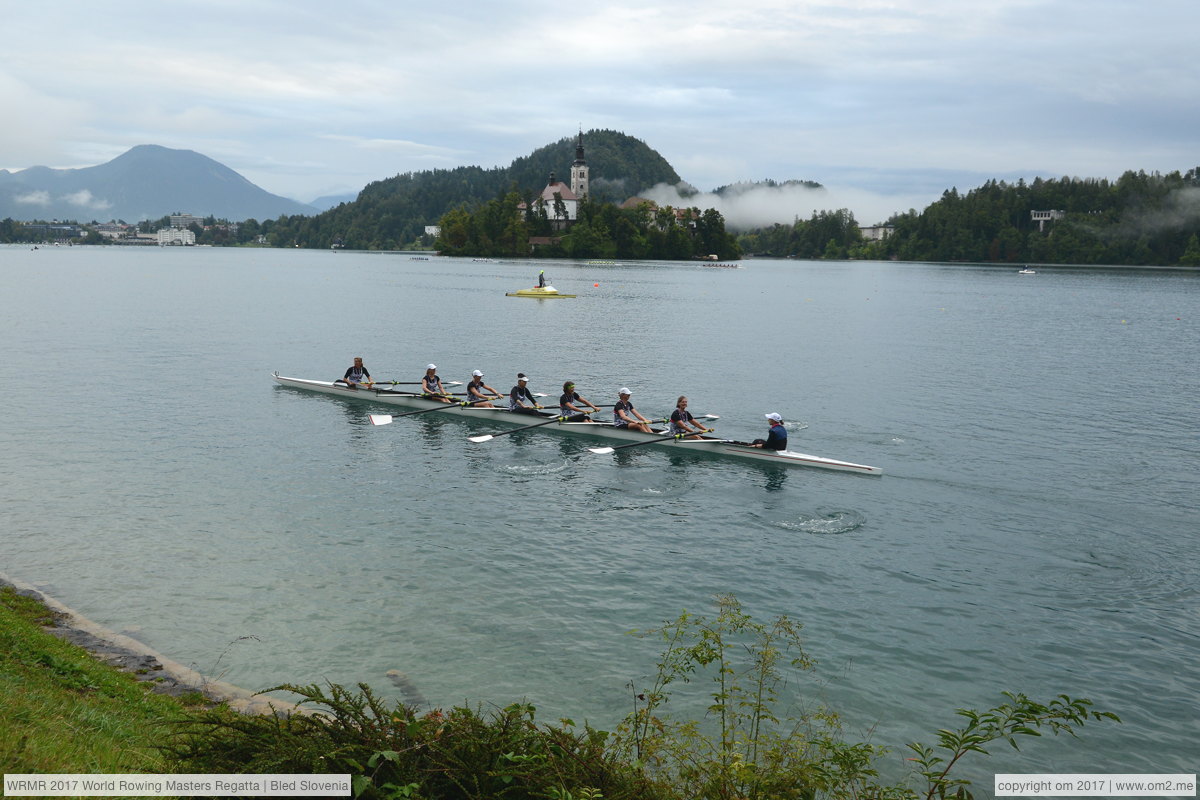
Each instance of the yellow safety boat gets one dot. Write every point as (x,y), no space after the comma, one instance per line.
(545,292)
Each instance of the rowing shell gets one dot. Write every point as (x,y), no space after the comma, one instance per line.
(604,430)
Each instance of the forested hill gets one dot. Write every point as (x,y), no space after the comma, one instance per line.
(393,213)
(1139,219)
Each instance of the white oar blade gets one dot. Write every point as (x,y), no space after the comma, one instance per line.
(381,419)
(480,439)
(602,451)
(710,416)
(454,383)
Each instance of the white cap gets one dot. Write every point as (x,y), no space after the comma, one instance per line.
(522,378)
(624,390)
(477,374)
(774,417)
(431,366)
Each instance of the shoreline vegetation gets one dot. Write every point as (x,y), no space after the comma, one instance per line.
(1138,220)
(77,698)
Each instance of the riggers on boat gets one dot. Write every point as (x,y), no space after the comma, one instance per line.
(604,430)
(544,292)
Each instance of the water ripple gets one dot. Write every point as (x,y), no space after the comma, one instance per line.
(825,522)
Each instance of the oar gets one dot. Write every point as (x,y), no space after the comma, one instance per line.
(386,419)
(603,451)
(497,397)
(490,436)
(416,383)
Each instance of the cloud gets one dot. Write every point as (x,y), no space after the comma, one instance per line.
(85,199)
(751,206)
(36,198)
(758,89)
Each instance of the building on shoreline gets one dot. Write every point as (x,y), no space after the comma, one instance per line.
(175,236)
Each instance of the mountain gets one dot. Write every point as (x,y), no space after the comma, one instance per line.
(328,201)
(392,213)
(147,182)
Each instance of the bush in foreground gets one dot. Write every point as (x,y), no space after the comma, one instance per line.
(742,749)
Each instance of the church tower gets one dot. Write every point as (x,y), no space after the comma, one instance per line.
(579,171)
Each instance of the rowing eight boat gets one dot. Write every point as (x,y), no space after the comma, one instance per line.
(602,429)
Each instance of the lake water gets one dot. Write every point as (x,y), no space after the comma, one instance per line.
(1036,528)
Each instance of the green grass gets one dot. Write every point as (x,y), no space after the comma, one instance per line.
(63,711)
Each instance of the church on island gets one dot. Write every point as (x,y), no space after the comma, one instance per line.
(560,201)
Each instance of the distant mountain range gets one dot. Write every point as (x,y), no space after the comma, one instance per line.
(147,182)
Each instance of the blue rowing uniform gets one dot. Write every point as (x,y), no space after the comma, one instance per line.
(432,384)
(356,375)
(776,438)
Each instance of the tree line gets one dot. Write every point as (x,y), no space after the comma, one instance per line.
(505,225)
(1140,219)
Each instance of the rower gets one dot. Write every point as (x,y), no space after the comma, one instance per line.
(431,386)
(567,407)
(520,395)
(683,423)
(476,389)
(776,437)
(542,279)
(626,416)
(356,374)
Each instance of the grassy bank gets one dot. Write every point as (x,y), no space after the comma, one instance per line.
(63,711)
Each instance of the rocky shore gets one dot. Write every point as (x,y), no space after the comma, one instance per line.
(142,662)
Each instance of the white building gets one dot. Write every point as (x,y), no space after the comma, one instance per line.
(175,236)
(184,220)
(560,201)
(877,233)
(1042,217)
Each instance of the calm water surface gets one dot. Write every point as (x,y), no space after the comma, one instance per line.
(1036,529)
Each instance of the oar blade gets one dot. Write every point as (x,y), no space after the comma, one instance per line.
(480,439)
(381,419)
(602,451)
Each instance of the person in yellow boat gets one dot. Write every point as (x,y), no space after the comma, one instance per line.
(542,279)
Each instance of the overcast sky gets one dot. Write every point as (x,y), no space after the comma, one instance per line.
(886,102)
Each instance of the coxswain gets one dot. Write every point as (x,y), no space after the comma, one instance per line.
(776,437)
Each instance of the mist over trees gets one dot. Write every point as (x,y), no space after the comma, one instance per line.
(1140,219)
